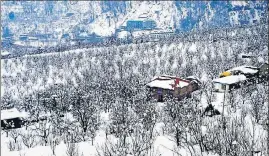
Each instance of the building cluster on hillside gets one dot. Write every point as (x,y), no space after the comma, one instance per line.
(234,78)
(239,76)
(140,24)
(141,27)
(40,32)
(36,36)
(171,86)
(24,38)
(86,37)
(164,87)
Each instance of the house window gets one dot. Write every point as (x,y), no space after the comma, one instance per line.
(190,88)
(223,87)
(182,91)
(160,91)
(175,92)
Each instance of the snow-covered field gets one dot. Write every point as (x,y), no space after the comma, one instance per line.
(102,76)
(163,144)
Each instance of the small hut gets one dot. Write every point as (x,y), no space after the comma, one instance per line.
(164,86)
(250,72)
(11,118)
(228,83)
(210,111)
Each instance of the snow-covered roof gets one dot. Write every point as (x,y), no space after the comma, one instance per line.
(143,18)
(32,38)
(238,3)
(123,34)
(260,59)
(144,15)
(161,31)
(230,79)
(167,82)
(193,48)
(192,77)
(4,53)
(246,69)
(140,33)
(11,114)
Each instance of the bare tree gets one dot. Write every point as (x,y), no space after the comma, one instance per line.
(146,111)
(112,149)
(53,141)
(29,139)
(72,149)
(86,113)
(137,143)
(43,130)
(11,145)
(53,145)
(15,134)
(123,117)
(180,114)
(140,141)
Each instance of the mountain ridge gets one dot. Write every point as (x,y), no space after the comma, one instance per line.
(103,17)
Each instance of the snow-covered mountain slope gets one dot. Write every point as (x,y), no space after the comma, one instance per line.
(28,76)
(162,57)
(103,17)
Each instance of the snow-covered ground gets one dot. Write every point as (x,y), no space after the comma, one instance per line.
(163,144)
(28,75)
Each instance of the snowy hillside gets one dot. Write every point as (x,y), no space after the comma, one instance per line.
(173,54)
(70,88)
(103,18)
(110,80)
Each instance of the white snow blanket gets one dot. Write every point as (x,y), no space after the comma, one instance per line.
(230,79)
(11,114)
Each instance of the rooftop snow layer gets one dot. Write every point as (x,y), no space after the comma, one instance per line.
(123,34)
(11,114)
(166,83)
(3,53)
(239,3)
(230,79)
(246,69)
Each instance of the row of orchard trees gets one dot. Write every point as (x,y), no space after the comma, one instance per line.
(258,32)
(130,116)
(134,123)
(111,80)
(252,40)
(23,75)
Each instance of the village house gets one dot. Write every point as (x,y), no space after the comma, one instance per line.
(161,34)
(263,72)
(228,83)
(140,24)
(239,76)
(164,86)
(12,118)
(248,71)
